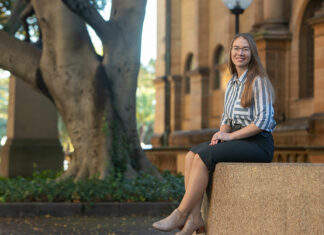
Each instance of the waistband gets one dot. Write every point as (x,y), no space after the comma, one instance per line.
(236,127)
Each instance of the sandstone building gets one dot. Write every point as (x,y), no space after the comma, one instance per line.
(191,71)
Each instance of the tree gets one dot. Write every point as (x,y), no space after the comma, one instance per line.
(94,95)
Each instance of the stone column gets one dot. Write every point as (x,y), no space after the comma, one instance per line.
(160,111)
(273,52)
(273,42)
(318,25)
(258,15)
(175,102)
(275,15)
(32,142)
(199,80)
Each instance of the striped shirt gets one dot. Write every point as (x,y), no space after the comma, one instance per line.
(260,112)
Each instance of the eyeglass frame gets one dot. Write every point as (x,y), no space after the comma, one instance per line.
(243,49)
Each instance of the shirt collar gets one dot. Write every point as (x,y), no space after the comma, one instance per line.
(241,79)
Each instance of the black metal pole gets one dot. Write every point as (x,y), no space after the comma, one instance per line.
(167,73)
(237,10)
(237,23)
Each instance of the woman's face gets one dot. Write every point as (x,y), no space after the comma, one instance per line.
(241,53)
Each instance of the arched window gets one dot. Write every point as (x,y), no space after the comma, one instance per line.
(218,64)
(306,52)
(188,68)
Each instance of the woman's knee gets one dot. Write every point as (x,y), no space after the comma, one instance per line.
(197,160)
(190,156)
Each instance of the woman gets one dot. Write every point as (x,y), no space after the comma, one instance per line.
(244,135)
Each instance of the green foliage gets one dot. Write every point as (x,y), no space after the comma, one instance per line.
(43,187)
(4,97)
(145,102)
(5,6)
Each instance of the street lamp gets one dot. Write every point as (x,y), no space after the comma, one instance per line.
(237,7)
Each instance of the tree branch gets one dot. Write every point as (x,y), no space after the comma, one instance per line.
(87,12)
(28,11)
(129,14)
(20,58)
(14,22)
(126,22)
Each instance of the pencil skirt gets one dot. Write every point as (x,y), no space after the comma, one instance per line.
(258,148)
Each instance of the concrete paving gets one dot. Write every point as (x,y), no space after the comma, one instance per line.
(87,225)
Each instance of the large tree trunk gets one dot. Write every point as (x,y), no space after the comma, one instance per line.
(95,97)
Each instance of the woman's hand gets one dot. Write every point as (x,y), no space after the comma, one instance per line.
(220,136)
(224,135)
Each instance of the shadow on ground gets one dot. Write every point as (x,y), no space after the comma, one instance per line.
(87,225)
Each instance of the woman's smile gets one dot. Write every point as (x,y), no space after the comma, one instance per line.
(240,59)
(241,53)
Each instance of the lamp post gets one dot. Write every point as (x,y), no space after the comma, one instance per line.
(237,7)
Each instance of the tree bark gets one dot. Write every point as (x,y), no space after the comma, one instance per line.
(20,58)
(96,98)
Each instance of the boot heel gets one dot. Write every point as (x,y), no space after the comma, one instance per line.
(200,230)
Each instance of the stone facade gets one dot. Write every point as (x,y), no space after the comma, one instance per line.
(191,69)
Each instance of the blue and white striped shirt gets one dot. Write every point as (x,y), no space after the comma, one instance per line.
(260,112)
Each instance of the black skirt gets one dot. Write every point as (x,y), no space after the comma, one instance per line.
(258,148)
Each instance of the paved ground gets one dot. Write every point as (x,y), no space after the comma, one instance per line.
(87,225)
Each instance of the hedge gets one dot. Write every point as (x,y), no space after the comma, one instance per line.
(44,187)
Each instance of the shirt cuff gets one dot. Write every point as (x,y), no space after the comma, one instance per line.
(225,122)
(261,124)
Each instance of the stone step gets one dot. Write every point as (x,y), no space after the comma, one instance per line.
(273,198)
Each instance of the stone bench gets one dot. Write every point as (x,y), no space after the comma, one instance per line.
(257,198)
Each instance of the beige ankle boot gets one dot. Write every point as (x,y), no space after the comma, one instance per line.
(175,220)
(193,225)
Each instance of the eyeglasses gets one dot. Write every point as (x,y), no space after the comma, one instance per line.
(238,49)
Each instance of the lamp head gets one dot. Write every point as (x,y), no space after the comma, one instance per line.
(237,6)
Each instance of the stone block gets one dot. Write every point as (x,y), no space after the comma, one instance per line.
(274,198)
(181,159)
(22,209)
(32,142)
(58,209)
(128,209)
(21,157)
(166,158)
(190,138)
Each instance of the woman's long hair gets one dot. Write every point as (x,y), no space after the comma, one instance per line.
(255,68)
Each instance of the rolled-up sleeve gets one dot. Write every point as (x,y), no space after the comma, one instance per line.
(225,120)
(263,107)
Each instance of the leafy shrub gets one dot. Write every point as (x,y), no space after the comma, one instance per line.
(44,187)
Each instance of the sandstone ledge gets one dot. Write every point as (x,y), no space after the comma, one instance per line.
(273,198)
